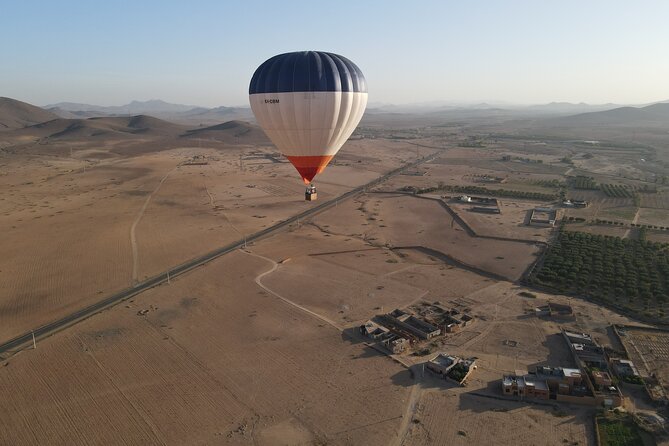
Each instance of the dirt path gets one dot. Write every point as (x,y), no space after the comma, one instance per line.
(410,410)
(275,266)
(634,221)
(212,203)
(133,228)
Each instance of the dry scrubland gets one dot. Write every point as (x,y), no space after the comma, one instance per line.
(216,360)
(400,221)
(354,281)
(69,221)
(260,346)
(220,358)
(476,420)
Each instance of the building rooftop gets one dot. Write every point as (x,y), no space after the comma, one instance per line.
(509,380)
(536,383)
(583,338)
(443,359)
(571,372)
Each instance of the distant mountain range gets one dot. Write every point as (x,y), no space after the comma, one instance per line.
(553,108)
(184,114)
(103,127)
(158,117)
(649,116)
(20,121)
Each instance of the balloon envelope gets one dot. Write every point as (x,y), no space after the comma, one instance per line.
(308,103)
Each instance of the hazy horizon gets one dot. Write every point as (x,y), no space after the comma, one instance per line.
(515,52)
(426,104)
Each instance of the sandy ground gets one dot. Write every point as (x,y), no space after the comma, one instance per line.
(511,222)
(656,217)
(401,220)
(220,359)
(216,360)
(475,420)
(259,347)
(78,228)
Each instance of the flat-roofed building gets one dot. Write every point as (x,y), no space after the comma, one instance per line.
(373,330)
(441,363)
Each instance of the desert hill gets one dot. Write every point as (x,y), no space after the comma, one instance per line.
(230,132)
(16,114)
(115,127)
(153,106)
(183,114)
(648,116)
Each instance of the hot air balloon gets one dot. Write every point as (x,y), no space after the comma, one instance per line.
(308,103)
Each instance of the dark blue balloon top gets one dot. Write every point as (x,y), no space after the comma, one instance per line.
(307,71)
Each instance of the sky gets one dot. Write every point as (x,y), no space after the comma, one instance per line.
(204,52)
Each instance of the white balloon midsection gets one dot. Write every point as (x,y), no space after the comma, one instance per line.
(309,123)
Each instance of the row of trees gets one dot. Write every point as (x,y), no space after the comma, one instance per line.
(630,273)
(599,221)
(617,190)
(555,184)
(582,182)
(501,192)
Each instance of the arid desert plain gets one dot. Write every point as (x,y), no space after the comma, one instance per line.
(263,344)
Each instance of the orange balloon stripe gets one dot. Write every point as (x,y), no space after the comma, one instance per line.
(309,166)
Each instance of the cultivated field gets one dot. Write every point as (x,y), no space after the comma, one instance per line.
(649,349)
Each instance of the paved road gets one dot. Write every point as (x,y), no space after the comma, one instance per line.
(19,342)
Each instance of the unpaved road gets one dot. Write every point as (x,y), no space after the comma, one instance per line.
(275,266)
(133,229)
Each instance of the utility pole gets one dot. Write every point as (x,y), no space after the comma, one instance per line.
(168,277)
(34,343)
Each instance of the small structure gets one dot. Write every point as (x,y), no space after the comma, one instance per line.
(442,363)
(451,367)
(543,217)
(592,361)
(373,330)
(394,343)
(580,203)
(465,199)
(578,338)
(601,378)
(560,311)
(524,386)
(448,320)
(556,311)
(403,322)
(486,210)
(560,380)
(625,368)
